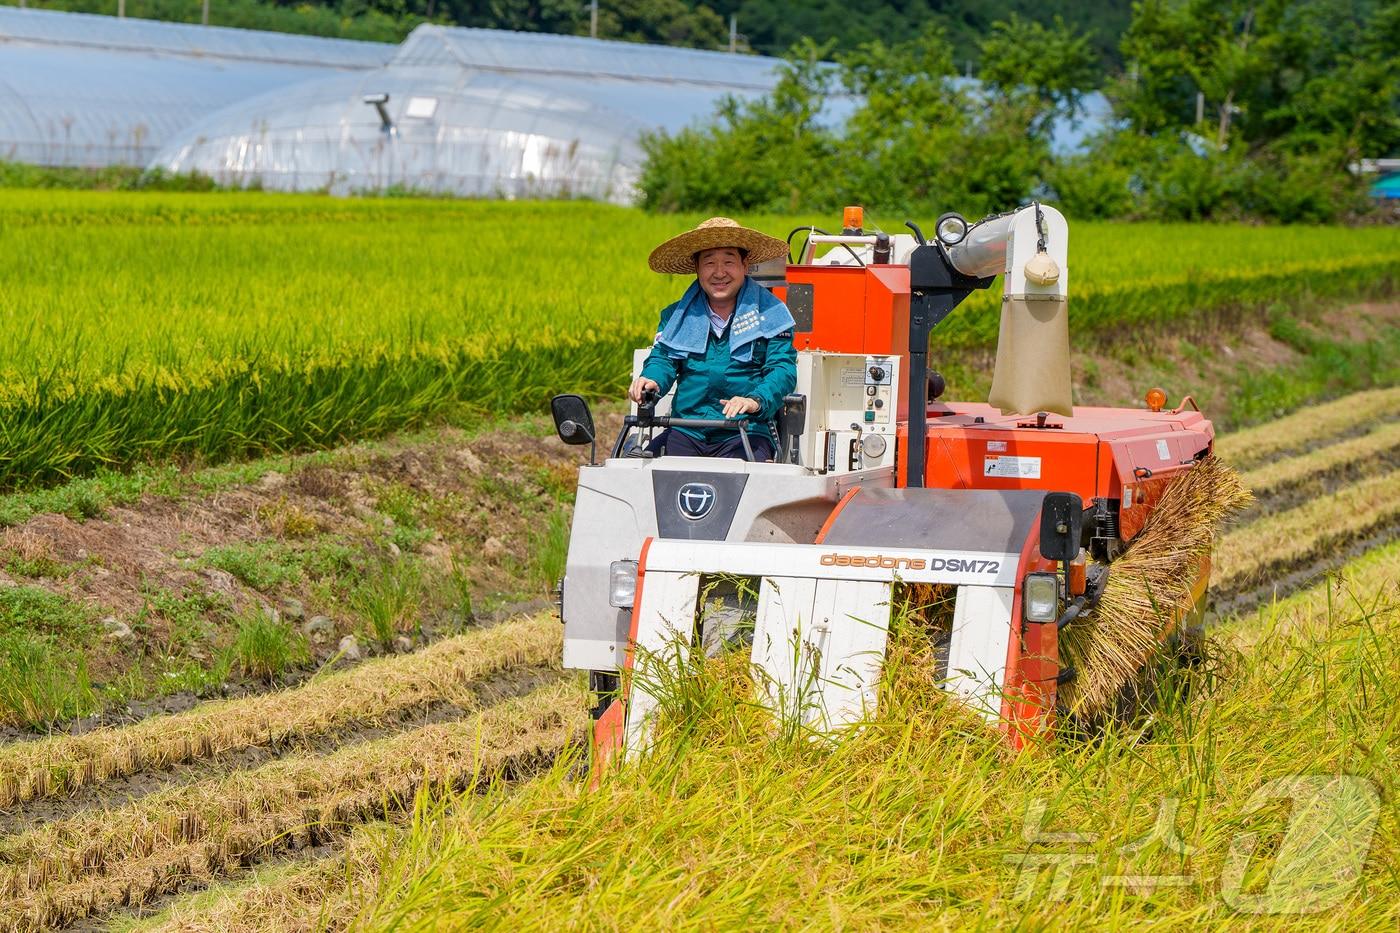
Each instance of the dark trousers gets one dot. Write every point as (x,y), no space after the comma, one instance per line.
(673,443)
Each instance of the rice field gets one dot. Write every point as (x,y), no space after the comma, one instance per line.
(145,326)
(367,818)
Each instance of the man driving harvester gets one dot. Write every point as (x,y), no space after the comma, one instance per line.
(726,345)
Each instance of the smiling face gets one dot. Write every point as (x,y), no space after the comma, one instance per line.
(721,273)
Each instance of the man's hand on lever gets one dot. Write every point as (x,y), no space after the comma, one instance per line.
(639,385)
(739,405)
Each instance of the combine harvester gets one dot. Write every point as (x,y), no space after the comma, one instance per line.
(1022,504)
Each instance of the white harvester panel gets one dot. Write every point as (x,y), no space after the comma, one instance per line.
(822,621)
(852,408)
(819,646)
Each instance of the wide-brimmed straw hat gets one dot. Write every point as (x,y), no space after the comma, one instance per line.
(677,255)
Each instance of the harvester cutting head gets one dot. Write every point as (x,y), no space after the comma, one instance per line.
(1019,506)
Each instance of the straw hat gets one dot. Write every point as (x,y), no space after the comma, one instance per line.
(677,255)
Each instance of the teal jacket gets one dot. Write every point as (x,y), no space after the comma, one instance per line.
(702,381)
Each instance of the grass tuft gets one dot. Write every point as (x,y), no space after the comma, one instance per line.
(265,647)
(41,684)
(388,599)
(263,566)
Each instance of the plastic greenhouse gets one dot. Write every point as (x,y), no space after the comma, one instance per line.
(473,112)
(89,90)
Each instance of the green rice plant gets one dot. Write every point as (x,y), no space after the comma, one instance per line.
(41,684)
(146,325)
(265,647)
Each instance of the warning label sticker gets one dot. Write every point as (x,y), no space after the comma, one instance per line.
(996,446)
(1163,452)
(1012,467)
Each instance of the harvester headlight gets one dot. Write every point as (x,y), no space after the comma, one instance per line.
(1040,597)
(950,229)
(622,583)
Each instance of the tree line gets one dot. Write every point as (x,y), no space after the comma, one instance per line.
(1220,110)
(769,27)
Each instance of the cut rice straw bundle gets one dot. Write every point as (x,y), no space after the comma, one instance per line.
(1149,586)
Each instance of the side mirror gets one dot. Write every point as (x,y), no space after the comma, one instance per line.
(572,419)
(1061,522)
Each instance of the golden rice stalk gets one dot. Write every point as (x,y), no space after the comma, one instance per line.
(1249,555)
(1364,453)
(370,692)
(1308,425)
(303,897)
(1149,586)
(98,862)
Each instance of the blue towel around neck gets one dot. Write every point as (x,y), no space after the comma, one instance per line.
(757,313)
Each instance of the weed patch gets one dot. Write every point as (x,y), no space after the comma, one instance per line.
(265,648)
(388,599)
(33,610)
(262,566)
(40,683)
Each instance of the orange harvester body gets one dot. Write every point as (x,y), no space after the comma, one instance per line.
(1127,455)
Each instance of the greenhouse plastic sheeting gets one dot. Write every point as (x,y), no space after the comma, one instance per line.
(539,54)
(472,133)
(89,90)
(472,112)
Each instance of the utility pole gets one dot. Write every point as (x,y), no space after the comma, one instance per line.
(204,16)
(121,9)
(593,19)
(733,32)
(1200,108)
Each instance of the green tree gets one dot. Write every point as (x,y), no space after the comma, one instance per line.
(1254,107)
(766,153)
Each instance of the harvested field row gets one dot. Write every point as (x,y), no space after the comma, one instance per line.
(1350,459)
(370,692)
(125,790)
(310,894)
(1290,539)
(1312,425)
(1366,587)
(101,862)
